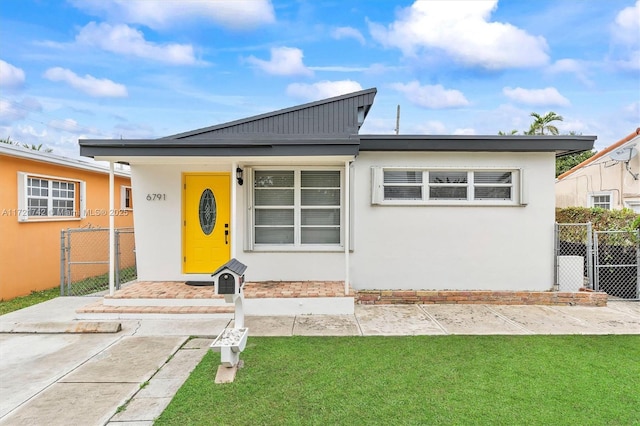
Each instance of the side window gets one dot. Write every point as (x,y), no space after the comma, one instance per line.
(43,197)
(405,186)
(126,198)
(603,201)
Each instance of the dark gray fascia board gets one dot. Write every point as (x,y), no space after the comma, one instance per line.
(562,145)
(216,148)
(195,132)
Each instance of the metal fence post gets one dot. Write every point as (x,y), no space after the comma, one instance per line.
(116,250)
(62,262)
(68,262)
(596,277)
(590,255)
(638,264)
(556,252)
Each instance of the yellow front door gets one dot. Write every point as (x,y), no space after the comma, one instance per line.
(206,234)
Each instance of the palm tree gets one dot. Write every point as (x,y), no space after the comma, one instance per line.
(512,132)
(543,122)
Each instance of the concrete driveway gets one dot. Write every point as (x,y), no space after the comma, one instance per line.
(55,370)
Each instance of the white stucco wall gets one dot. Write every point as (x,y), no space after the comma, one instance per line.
(399,247)
(159,238)
(455,247)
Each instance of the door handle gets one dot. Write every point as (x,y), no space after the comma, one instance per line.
(226,233)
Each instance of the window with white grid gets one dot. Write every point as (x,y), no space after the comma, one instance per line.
(297,208)
(405,186)
(44,197)
(601,200)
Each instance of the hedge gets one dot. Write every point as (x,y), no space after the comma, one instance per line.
(601,219)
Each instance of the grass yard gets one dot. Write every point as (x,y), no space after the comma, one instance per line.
(82,287)
(427,380)
(34,298)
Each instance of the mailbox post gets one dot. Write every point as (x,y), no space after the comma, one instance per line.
(229,281)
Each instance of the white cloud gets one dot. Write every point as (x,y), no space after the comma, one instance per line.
(125,40)
(87,84)
(11,77)
(348,32)
(462,30)
(431,96)
(627,25)
(11,111)
(537,97)
(322,89)
(429,127)
(284,61)
(71,126)
(632,110)
(624,34)
(465,131)
(571,66)
(236,14)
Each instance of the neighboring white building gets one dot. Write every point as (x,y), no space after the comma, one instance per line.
(299,195)
(610,179)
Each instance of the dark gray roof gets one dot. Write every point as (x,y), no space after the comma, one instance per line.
(561,145)
(332,116)
(328,127)
(324,128)
(234,265)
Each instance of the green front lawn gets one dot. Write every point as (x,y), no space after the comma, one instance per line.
(430,380)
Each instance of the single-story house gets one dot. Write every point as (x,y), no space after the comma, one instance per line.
(41,194)
(299,195)
(610,179)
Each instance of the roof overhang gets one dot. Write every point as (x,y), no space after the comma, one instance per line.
(561,145)
(232,147)
(279,146)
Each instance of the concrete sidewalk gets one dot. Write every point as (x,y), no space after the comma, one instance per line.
(56,370)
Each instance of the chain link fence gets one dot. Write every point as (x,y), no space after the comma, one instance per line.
(617,263)
(84,260)
(605,261)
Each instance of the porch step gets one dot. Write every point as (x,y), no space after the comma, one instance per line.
(99,310)
(148,299)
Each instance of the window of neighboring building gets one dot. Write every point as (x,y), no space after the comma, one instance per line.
(634,205)
(445,186)
(297,208)
(601,200)
(126,198)
(44,197)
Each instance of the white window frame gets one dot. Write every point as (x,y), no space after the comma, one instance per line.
(518,188)
(591,199)
(297,245)
(79,206)
(123,198)
(633,205)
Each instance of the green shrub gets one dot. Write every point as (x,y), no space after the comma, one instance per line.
(601,219)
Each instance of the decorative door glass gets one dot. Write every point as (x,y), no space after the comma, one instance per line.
(207,211)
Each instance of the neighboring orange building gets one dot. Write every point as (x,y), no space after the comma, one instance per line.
(41,194)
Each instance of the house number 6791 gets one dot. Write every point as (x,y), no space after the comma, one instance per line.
(156,197)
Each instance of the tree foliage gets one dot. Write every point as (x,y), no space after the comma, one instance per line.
(543,122)
(33,147)
(568,162)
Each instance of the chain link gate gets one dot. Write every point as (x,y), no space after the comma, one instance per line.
(607,261)
(617,263)
(84,260)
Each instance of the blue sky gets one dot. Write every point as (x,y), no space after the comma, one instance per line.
(144,69)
